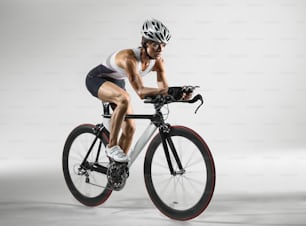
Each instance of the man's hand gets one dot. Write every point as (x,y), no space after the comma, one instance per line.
(187,92)
(181,92)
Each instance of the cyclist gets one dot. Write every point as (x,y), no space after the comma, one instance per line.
(107,82)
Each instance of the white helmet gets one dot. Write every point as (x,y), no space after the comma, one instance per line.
(156,31)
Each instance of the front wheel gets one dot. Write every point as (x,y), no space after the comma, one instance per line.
(186,192)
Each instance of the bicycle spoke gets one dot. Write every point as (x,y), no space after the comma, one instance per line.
(159,164)
(195,162)
(191,157)
(183,190)
(88,183)
(194,181)
(163,174)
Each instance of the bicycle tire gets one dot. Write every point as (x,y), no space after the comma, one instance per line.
(79,190)
(165,204)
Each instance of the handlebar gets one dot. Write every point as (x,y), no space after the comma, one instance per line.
(161,100)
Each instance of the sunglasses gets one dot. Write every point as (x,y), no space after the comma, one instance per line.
(157,45)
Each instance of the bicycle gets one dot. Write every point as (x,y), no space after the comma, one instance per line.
(179,170)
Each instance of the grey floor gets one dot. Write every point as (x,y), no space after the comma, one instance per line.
(227,210)
(40,197)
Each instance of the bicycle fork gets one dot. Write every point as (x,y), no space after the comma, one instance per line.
(167,143)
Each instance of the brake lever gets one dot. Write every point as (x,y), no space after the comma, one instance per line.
(193,100)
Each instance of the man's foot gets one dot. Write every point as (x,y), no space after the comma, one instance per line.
(116,154)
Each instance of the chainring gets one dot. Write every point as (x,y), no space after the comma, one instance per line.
(117,173)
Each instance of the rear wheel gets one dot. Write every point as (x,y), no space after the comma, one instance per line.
(186,193)
(86,184)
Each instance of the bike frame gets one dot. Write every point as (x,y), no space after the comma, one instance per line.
(142,140)
(157,121)
(141,143)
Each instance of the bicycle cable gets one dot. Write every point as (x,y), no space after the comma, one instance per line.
(166,115)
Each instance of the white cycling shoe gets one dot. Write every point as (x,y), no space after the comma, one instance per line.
(116,154)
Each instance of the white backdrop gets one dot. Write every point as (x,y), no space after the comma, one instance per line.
(249,57)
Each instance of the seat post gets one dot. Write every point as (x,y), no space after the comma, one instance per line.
(106,116)
(106,109)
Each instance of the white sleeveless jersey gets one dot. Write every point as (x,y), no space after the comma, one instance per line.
(120,73)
